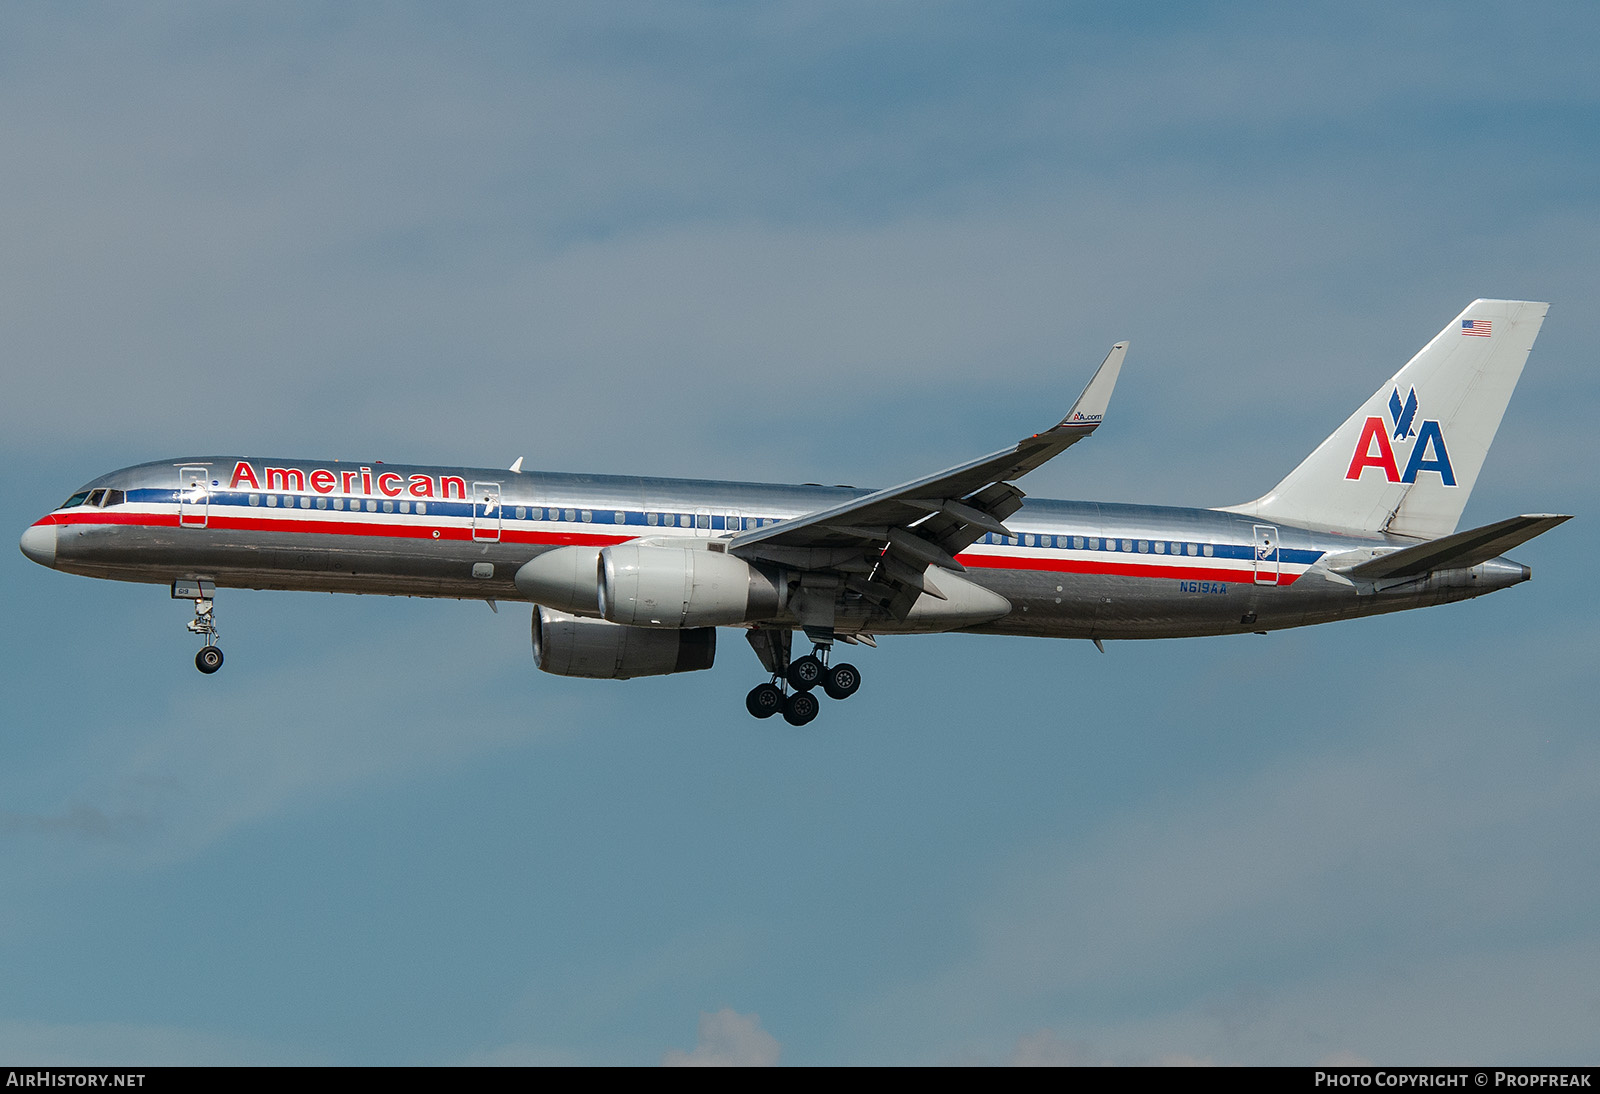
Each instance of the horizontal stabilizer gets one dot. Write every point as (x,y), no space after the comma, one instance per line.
(1460,551)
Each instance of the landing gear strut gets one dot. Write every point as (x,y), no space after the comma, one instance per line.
(790,691)
(204,623)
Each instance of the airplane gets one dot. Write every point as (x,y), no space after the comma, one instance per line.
(632,576)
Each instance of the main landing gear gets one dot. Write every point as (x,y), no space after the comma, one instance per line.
(204,623)
(804,674)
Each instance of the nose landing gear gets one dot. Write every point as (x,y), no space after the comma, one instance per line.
(204,623)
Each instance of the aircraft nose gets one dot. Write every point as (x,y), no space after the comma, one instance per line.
(39,544)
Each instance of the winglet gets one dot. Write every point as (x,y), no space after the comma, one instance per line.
(1090,409)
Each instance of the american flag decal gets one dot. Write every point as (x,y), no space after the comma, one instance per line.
(1476,328)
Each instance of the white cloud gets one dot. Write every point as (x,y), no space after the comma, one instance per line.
(728,1039)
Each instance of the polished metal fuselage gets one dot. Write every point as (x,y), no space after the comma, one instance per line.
(1072,570)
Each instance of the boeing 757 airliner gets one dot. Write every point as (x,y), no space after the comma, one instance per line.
(633,576)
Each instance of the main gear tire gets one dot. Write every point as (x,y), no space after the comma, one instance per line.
(800,708)
(764,700)
(841,681)
(805,672)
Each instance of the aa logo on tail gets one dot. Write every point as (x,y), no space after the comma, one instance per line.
(1377,449)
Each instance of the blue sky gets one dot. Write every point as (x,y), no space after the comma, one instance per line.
(790,242)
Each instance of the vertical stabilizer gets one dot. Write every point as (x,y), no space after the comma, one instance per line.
(1406,461)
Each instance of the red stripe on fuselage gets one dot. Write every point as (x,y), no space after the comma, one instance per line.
(591,539)
(1118,569)
(339,528)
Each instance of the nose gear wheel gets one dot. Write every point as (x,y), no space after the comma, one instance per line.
(204,623)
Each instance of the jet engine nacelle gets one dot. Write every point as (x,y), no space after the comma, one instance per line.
(567,645)
(646,586)
(563,578)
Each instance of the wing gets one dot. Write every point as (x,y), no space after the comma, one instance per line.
(883,543)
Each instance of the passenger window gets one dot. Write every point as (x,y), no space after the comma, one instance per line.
(1077,543)
(1144,546)
(571,514)
(372,507)
(522,512)
(422,508)
(1028,540)
(1127,545)
(388,507)
(1191,549)
(621,517)
(272,501)
(305,502)
(588,515)
(683,520)
(1209,550)
(338,503)
(1161,548)
(255,499)
(405,507)
(1094,543)
(322,503)
(651,518)
(702,520)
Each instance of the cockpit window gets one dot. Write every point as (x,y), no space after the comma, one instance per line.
(113,497)
(96,497)
(76,500)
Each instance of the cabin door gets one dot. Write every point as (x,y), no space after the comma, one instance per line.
(1266,552)
(194,497)
(486,512)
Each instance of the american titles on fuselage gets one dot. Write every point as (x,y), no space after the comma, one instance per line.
(321,480)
